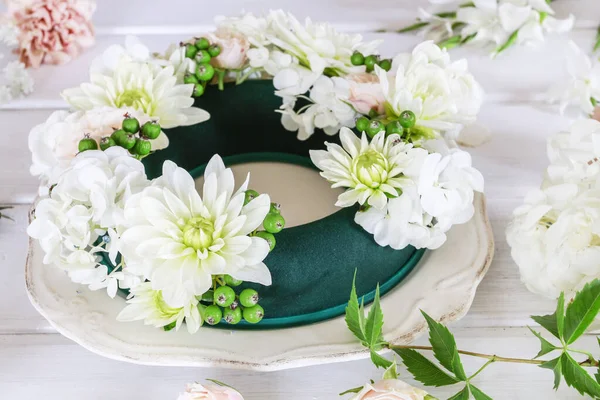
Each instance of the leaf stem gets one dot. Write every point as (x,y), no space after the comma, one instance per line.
(488,362)
(493,357)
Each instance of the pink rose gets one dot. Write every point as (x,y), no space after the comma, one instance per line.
(196,391)
(366,93)
(596,113)
(234,49)
(52,31)
(390,389)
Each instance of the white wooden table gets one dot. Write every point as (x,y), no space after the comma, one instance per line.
(36,362)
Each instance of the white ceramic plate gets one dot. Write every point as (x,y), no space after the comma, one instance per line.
(443,284)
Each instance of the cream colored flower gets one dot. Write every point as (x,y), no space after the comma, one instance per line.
(179,240)
(390,389)
(371,171)
(196,391)
(234,48)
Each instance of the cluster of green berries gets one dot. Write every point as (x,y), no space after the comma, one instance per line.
(230,307)
(131,136)
(370,62)
(400,126)
(273,222)
(201,51)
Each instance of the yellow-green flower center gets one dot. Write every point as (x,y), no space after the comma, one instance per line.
(198,233)
(370,168)
(165,310)
(136,98)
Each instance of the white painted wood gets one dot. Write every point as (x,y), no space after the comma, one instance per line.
(33,365)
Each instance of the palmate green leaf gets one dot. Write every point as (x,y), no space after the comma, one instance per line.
(478,394)
(553,323)
(424,370)
(355,316)
(577,377)
(556,366)
(379,361)
(462,395)
(374,324)
(547,347)
(582,311)
(391,372)
(444,347)
(353,390)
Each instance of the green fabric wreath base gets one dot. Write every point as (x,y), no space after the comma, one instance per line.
(312,265)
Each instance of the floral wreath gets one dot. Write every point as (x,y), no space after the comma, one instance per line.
(181,254)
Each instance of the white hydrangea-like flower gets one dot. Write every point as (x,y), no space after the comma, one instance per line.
(178,240)
(442,94)
(582,88)
(329,112)
(555,239)
(575,155)
(371,171)
(317,45)
(147,304)
(85,204)
(126,78)
(54,143)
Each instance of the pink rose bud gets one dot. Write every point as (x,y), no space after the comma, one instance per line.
(366,93)
(234,49)
(390,389)
(196,391)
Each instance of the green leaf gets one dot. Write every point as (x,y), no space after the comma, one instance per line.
(379,361)
(556,367)
(169,327)
(424,370)
(353,390)
(511,40)
(374,324)
(444,347)
(582,311)
(462,395)
(577,377)
(391,372)
(547,347)
(354,319)
(597,44)
(478,394)
(413,27)
(553,323)
(560,314)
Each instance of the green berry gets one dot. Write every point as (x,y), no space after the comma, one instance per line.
(269,237)
(107,142)
(370,62)
(205,72)
(151,130)
(232,315)
(232,281)
(202,43)
(203,57)
(87,144)
(234,305)
(362,124)
(386,64)
(214,50)
(407,119)
(118,135)
(190,51)
(198,90)
(275,208)
(213,315)
(142,147)
(250,195)
(373,113)
(394,127)
(224,296)
(357,58)
(273,223)
(131,125)
(374,128)
(127,141)
(190,79)
(249,297)
(254,314)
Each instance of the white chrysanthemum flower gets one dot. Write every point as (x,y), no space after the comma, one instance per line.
(145,303)
(86,202)
(555,239)
(317,45)
(575,155)
(329,112)
(371,171)
(179,240)
(123,78)
(54,143)
(582,88)
(443,95)
(252,27)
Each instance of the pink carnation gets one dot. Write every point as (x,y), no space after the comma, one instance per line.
(366,93)
(52,31)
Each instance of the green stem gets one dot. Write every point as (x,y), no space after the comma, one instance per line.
(587,353)
(488,362)
(220,78)
(597,45)
(412,27)
(451,42)
(511,40)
